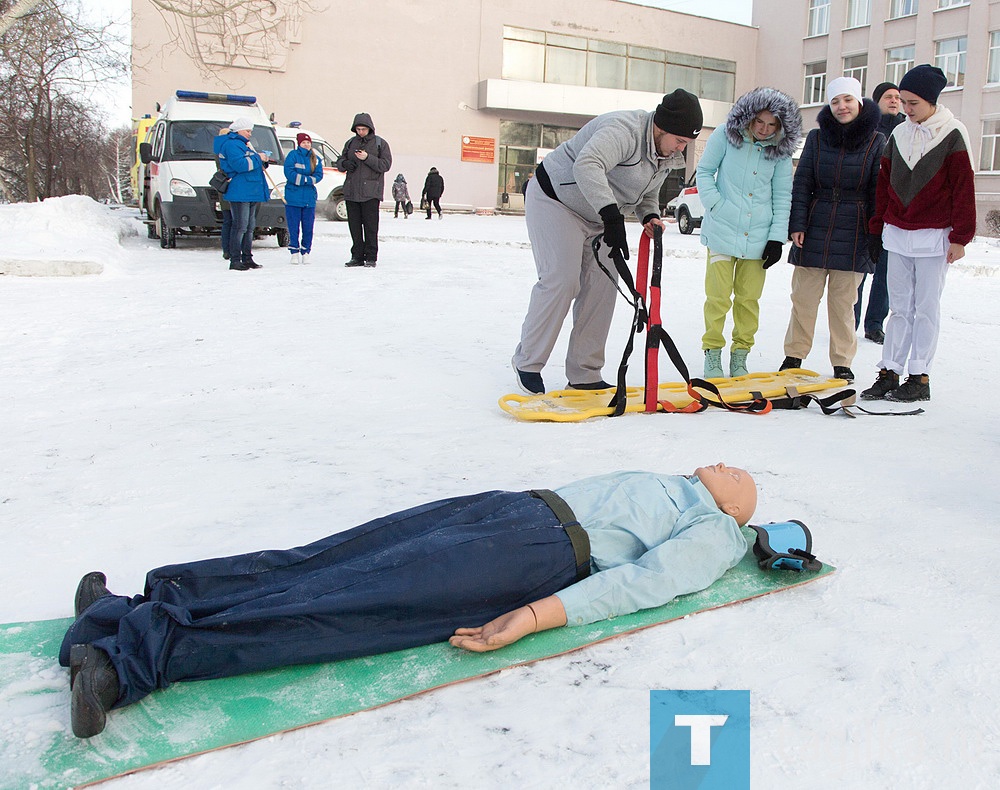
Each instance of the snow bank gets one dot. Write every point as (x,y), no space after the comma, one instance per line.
(62,236)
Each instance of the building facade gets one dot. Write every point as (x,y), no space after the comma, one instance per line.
(805,43)
(480,89)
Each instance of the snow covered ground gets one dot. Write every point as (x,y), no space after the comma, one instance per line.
(170,409)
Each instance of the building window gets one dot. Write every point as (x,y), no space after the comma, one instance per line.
(859,13)
(951,3)
(898,8)
(898,61)
(949,56)
(857,66)
(536,56)
(519,151)
(815,85)
(993,69)
(989,156)
(819,17)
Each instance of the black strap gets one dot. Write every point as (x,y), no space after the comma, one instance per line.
(578,536)
(545,182)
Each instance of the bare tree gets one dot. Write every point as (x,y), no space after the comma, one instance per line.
(52,138)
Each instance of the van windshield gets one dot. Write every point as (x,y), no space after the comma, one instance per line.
(193,140)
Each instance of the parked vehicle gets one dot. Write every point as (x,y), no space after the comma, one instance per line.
(178,161)
(687,209)
(330,200)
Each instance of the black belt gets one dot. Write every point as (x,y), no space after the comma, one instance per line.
(841,195)
(577,535)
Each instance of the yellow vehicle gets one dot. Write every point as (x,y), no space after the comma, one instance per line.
(140,128)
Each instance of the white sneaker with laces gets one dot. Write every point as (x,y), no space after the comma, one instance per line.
(296,259)
(305,258)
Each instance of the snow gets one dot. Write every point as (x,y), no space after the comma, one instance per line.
(169,409)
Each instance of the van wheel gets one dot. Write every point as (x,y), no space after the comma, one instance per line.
(684,223)
(168,236)
(337,208)
(283,237)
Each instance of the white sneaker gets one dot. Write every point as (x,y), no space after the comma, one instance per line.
(296,259)
(305,258)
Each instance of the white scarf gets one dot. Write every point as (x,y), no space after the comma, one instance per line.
(914,140)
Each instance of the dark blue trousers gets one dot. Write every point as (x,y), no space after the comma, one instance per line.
(403,580)
(878,297)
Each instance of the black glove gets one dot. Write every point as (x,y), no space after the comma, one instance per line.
(875,248)
(351,165)
(614,229)
(772,253)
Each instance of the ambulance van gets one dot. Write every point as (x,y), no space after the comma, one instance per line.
(178,161)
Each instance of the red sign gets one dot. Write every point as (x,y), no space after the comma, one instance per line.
(479,149)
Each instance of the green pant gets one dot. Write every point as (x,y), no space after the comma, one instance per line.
(736,282)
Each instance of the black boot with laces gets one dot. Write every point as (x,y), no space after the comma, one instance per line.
(913,389)
(886,382)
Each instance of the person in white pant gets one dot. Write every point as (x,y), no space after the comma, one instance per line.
(615,163)
(925,214)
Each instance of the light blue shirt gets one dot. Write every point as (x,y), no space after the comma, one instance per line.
(652,537)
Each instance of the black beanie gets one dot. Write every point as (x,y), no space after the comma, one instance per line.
(880,90)
(679,113)
(926,81)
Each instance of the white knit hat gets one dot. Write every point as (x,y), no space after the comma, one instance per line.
(841,85)
(243,124)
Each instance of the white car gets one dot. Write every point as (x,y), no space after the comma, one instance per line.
(687,209)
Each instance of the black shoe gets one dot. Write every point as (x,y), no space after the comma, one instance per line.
(886,382)
(225,256)
(252,265)
(594,385)
(530,383)
(239,267)
(875,335)
(840,372)
(91,587)
(913,389)
(95,689)
(371,264)
(790,362)
(354,262)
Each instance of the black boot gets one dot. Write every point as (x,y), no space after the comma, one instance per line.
(789,363)
(95,689)
(91,587)
(886,382)
(913,389)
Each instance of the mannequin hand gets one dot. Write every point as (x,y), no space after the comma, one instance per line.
(504,630)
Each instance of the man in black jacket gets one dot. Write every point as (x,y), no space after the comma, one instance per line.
(889,102)
(366,158)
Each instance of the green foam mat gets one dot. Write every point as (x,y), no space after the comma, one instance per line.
(38,748)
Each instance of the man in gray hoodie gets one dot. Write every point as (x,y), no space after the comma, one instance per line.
(615,163)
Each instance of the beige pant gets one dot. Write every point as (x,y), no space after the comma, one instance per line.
(841,294)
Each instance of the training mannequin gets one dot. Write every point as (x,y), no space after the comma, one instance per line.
(503,564)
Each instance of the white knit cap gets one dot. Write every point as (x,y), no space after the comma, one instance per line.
(847,85)
(245,124)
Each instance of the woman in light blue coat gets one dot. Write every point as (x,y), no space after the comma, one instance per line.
(745,183)
(303,169)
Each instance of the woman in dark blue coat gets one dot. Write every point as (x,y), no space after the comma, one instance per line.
(833,197)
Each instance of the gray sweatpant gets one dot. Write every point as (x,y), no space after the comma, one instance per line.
(567,274)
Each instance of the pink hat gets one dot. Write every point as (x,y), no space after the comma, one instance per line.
(301,137)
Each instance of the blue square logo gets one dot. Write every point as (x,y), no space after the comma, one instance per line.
(699,740)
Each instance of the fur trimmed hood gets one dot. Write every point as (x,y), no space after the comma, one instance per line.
(784,107)
(853,135)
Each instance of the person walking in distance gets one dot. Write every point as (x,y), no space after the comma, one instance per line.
(433,189)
